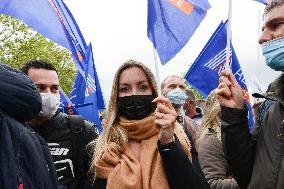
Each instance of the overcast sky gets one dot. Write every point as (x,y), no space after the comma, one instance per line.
(118,32)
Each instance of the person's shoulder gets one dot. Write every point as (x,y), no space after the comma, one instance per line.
(79,122)
(59,117)
(91,129)
(188,120)
(208,137)
(209,141)
(212,137)
(89,124)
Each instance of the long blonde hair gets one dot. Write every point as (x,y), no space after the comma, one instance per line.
(111,131)
(211,118)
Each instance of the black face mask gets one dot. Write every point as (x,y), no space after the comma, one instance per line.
(135,107)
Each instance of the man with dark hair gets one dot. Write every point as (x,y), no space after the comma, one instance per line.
(257,159)
(67,136)
(190,108)
(37,64)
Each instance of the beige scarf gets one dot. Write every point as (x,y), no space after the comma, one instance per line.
(123,171)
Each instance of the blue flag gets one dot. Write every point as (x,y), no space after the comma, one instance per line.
(80,89)
(76,41)
(66,106)
(265,2)
(52,19)
(39,15)
(171,23)
(93,88)
(87,91)
(77,94)
(203,75)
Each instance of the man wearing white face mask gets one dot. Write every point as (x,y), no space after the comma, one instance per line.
(256,158)
(174,89)
(66,135)
(50,104)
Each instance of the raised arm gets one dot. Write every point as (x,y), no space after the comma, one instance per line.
(238,143)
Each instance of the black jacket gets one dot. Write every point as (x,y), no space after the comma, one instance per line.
(58,134)
(256,159)
(24,156)
(180,172)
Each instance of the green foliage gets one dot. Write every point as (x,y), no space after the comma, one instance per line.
(19,44)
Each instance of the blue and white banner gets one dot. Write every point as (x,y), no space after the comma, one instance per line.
(204,73)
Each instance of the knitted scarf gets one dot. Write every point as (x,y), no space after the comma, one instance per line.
(123,171)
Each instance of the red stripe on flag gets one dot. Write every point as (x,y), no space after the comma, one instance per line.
(183,5)
(246,95)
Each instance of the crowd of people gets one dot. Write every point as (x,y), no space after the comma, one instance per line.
(148,141)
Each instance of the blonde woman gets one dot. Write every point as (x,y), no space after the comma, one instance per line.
(210,151)
(141,147)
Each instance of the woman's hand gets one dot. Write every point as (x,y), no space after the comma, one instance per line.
(165,119)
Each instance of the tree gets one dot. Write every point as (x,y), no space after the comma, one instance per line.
(19,44)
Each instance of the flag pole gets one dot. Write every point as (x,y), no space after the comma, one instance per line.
(157,71)
(229,33)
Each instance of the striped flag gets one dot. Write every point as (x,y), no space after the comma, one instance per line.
(86,93)
(204,73)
